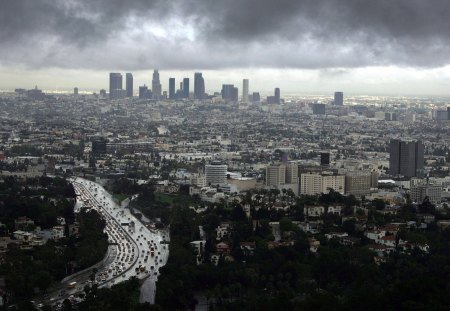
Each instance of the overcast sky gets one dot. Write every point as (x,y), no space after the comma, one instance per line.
(301,46)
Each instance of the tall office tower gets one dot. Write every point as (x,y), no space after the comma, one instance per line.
(115,83)
(216,173)
(143,91)
(129,84)
(156,85)
(172,88)
(256,97)
(291,173)
(199,86)
(277,95)
(186,88)
(275,175)
(406,158)
(325,159)
(75,91)
(245,90)
(448,113)
(319,109)
(229,92)
(338,98)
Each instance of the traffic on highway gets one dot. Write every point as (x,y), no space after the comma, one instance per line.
(134,249)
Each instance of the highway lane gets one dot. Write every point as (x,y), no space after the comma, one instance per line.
(135,249)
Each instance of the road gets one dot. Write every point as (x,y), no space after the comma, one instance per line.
(135,248)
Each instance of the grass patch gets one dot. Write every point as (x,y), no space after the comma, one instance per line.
(164,198)
(119,197)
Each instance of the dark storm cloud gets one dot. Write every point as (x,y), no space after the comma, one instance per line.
(231,33)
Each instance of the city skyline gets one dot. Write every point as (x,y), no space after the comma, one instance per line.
(303,46)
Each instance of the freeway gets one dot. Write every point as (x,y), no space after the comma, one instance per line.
(135,249)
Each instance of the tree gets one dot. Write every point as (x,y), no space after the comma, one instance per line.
(42,280)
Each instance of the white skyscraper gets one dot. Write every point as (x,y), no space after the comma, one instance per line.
(156,85)
(216,173)
(245,91)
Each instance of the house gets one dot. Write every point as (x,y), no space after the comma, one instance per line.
(381,250)
(349,241)
(61,221)
(24,224)
(314,211)
(313,245)
(248,248)
(443,224)
(388,240)
(23,235)
(4,243)
(74,229)
(215,259)
(375,235)
(223,248)
(312,227)
(335,210)
(222,230)
(336,235)
(57,233)
(426,218)
(198,246)
(274,244)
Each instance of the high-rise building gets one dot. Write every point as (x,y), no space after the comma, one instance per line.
(75,91)
(245,90)
(338,98)
(143,91)
(115,83)
(424,190)
(324,158)
(229,92)
(103,93)
(277,95)
(283,176)
(129,84)
(216,173)
(360,182)
(275,175)
(199,86)
(315,183)
(406,158)
(186,88)
(156,85)
(448,113)
(172,88)
(256,97)
(319,109)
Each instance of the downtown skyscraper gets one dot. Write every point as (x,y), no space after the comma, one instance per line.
(245,90)
(338,98)
(156,85)
(199,86)
(129,84)
(186,88)
(406,158)
(171,88)
(115,85)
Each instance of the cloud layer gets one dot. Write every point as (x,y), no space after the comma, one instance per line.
(206,34)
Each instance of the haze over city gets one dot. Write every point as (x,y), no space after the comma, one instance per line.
(228,155)
(303,47)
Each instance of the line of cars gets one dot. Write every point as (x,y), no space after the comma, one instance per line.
(134,249)
(137,246)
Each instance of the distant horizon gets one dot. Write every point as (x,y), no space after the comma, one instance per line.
(264,81)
